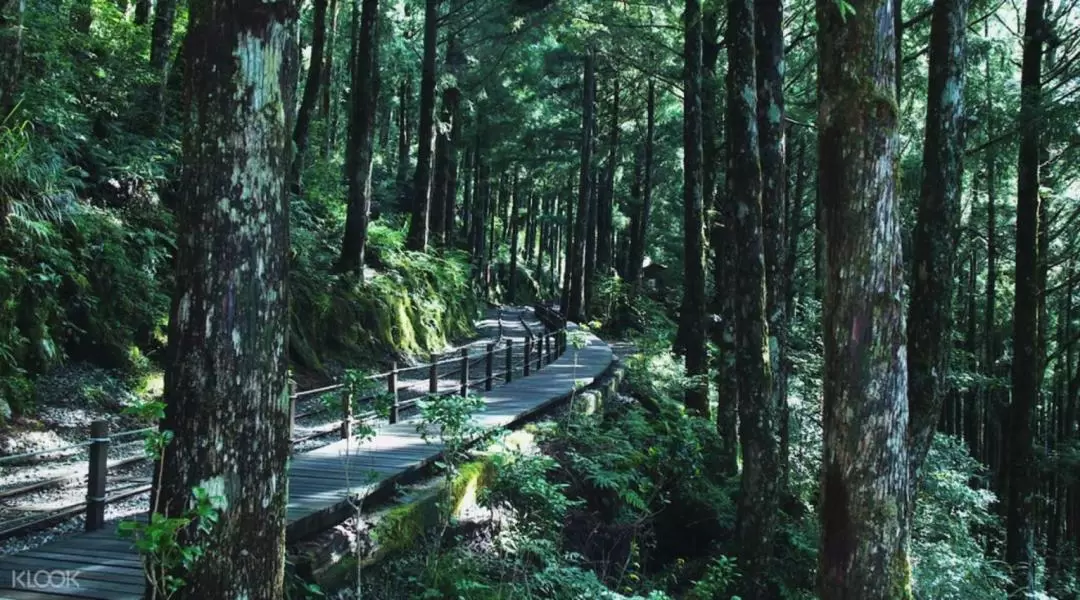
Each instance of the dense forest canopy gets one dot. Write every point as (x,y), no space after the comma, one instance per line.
(839,236)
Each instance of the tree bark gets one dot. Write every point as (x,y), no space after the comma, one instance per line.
(515,221)
(311,95)
(930,313)
(575,309)
(365,90)
(639,225)
(865,468)
(756,517)
(142,12)
(421,206)
(326,105)
(161,47)
(769,37)
(11,28)
(404,203)
(225,383)
(693,306)
(1019,542)
(604,224)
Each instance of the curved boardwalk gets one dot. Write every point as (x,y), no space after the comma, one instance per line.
(321,483)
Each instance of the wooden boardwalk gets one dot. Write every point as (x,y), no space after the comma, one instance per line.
(103,566)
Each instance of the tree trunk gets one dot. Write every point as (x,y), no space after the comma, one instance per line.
(693,307)
(311,96)
(604,223)
(639,225)
(757,409)
(1019,542)
(327,77)
(404,204)
(930,313)
(575,309)
(769,37)
(142,12)
(591,232)
(515,220)
(795,226)
(365,90)
(421,193)
(225,383)
(11,26)
(160,49)
(865,468)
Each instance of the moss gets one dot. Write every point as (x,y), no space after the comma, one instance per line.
(900,578)
(402,527)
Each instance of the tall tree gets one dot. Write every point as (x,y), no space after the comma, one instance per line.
(161,34)
(865,477)
(575,307)
(225,383)
(757,409)
(639,224)
(421,205)
(1019,542)
(365,91)
(693,306)
(937,229)
(11,33)
(769,37)
(402,177)
(605,206)
(311,94)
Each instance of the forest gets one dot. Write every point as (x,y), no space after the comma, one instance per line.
(834,244)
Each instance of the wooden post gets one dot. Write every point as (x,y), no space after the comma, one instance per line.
(433,375)
(99,468)
(464,372)
(391,386)
(547,348)
(528,353)
(490,359)
(347,415)
(539,353)
(509,361)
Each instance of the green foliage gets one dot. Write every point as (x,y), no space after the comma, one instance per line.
(954,522)
(522,486)
(719,577)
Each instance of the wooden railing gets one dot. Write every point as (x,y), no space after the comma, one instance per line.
(538,349)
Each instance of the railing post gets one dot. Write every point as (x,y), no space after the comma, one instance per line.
(539,353)
(433,375)
(547,348)
(528,353)
(391,387)
(464,372)
(509,361)
(347,415)
(292,408)
(490,359)
(99,468)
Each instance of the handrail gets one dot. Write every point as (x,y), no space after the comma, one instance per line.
(100,443)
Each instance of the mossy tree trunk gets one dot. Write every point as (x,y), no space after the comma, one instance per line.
(365,90)
(756,516)
(225,380)
(1019,542)
(692,316)
(930,321)
(311,95)
(865,469)
(425,137)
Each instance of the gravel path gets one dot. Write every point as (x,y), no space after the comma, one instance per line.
(21,508)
